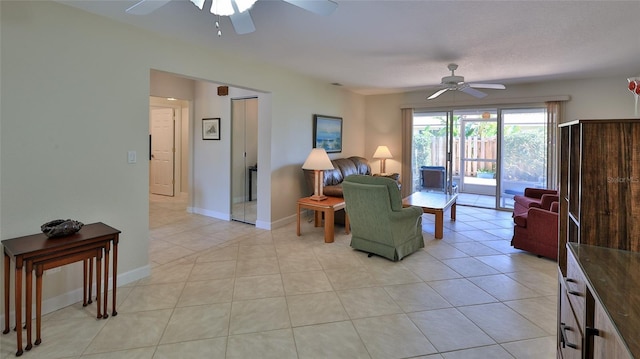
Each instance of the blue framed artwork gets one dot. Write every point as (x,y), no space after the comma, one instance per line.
(327,133)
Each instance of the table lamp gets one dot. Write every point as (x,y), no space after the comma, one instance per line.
(318,161)
(382,152)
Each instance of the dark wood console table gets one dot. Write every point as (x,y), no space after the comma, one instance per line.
(41,253)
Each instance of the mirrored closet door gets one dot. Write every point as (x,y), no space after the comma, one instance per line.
(244,159)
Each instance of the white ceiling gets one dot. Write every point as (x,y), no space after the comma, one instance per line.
(373,47)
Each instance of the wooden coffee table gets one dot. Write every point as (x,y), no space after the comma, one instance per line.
(434,203)
(328,206)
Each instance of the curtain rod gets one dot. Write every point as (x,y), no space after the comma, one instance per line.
(488,102)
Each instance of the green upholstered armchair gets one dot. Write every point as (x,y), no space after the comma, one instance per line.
(379,223)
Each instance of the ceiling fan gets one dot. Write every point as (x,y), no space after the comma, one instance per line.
(238,10)
(456,83)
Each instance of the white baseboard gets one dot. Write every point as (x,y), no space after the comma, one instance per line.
(283,222)
(263,225)
(209,213)
(227,217)
(76,295)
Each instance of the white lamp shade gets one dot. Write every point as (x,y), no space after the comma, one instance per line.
(382,152)
(318,160)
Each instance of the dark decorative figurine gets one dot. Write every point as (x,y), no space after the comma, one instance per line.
(61,227)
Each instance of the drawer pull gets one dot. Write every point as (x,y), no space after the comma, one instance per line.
(573,292)
(592,332)
(577,294)
(563,336)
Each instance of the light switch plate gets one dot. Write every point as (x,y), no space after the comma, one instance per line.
(131,157)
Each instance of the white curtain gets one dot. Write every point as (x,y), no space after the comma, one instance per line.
(554,117)
(407,143)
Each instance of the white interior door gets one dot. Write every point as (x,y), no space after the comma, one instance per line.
(162,151)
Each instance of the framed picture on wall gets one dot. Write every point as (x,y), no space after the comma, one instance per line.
(211,128)
(327,133)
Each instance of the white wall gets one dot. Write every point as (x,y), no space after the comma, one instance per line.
(211,183)
(75,99)
(163,84)
(73,103)
(593,98)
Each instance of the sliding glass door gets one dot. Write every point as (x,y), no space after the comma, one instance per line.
(431,152)
(524,152)
(487,155)
(478,151)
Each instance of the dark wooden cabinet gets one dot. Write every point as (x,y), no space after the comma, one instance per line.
(602,290)
(570,334)
(607,344)
(600,221)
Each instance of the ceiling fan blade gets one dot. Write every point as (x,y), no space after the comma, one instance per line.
(145,7)
(437,93)
(473,92)
(488,86)
(198,3)
(320,7)
(242,23)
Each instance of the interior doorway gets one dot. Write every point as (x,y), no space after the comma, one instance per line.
(203,168)
(161,167)
(168,146)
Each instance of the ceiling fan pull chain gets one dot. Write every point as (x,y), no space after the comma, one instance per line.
(218,26)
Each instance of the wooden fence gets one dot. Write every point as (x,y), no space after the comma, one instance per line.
(482,149)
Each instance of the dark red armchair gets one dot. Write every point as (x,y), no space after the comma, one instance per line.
(536,231)
(533,197)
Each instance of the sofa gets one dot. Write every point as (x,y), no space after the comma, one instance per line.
(379,222)
(533,197)
(342,167)
(536,231)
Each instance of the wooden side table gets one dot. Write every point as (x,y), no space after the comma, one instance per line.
(328,207)
(53,261)
(40,253)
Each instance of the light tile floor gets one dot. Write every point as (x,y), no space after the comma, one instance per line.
(228,290)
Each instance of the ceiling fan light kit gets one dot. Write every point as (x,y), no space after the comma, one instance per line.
(226,7)
(236,10)
(456,83)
